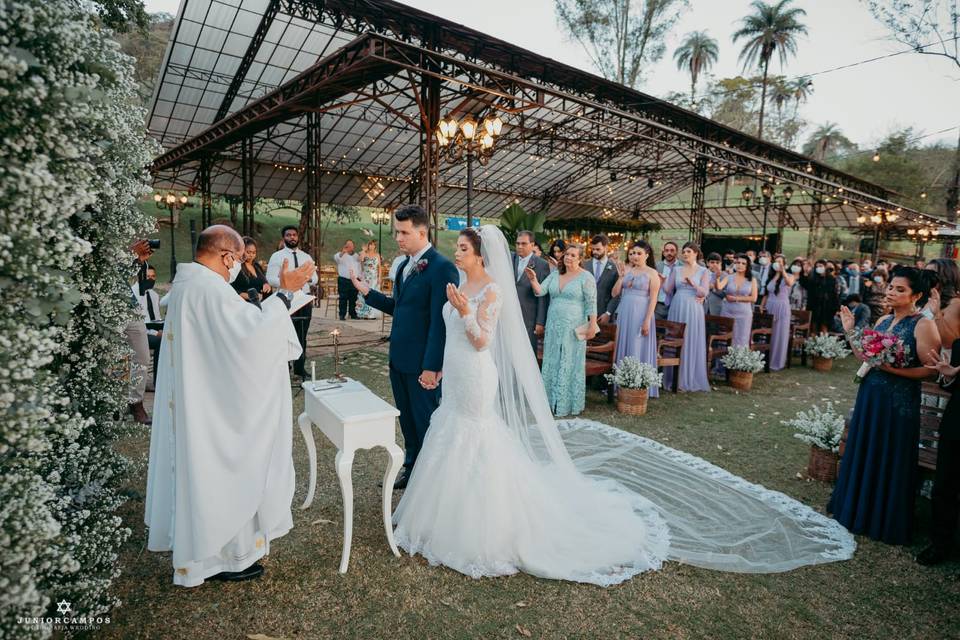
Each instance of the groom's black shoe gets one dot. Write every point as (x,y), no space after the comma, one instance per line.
(253,571)
(401,481)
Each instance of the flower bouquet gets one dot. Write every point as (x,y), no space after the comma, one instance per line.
(823,431)
(742,363)
(825,348)
(877,348)
(634,379)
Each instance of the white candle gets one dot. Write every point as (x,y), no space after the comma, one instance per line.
(313,371)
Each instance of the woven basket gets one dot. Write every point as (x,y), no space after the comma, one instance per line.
(822,364)
(822,465)
(632,401)
(742,380)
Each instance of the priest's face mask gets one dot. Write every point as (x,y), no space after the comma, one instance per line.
(232,261)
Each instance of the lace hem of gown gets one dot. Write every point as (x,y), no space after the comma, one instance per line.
(837,542)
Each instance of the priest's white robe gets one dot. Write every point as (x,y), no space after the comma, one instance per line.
(221,479)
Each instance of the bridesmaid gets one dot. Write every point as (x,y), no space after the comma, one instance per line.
(689,283)
(370,267)
(776,301)
(573,302)
(740,292)
(876,486)
(638,284)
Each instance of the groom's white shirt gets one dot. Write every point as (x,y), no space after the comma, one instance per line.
(414,259)
(220,480)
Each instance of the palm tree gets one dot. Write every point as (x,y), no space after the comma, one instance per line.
(697,53)
(780,93)
(802,89)
(826,138)
(770,29)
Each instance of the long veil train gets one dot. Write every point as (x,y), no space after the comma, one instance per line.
(715,520)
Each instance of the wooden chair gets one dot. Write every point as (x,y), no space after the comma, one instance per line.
(761,336)
(933,400)
(719,338)
(670,347)
(799,332)
(331,295)
(601,350)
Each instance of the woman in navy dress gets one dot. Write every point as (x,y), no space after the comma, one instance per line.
(876,487)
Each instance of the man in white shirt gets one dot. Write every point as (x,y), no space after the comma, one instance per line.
(347,261)
(149,303)
(296,259)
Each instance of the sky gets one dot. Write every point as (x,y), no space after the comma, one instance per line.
(867,101)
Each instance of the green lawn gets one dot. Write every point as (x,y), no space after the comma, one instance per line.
(881,593)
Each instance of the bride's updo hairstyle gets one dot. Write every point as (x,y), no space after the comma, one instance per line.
(473,237)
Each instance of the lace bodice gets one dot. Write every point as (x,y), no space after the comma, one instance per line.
(480,324)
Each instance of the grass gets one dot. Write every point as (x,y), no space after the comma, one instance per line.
(880,593)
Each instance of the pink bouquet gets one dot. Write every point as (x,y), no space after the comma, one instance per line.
(876,348)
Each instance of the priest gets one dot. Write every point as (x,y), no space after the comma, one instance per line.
(220,481)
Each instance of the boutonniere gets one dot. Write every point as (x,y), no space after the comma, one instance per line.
(420,266)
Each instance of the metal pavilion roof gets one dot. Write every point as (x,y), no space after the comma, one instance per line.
(255,71)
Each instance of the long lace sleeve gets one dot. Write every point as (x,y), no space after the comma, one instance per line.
(482,321)
(590,296)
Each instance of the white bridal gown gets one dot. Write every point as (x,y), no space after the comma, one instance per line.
(499,487)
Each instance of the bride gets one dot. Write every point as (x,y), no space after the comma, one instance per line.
(500,487)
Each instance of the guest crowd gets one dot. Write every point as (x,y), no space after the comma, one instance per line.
(918,304)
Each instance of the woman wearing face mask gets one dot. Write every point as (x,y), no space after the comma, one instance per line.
(251,274)
(876,487)
(689,284)
(875,293)
(740,292)
(822,298)
(798,293)
(776,301)
(637,286)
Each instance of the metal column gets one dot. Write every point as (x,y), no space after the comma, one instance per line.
(310,222)
(697,211)
(246,183)
(206,196)
(814,229)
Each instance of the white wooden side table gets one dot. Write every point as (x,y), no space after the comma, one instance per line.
(352,417)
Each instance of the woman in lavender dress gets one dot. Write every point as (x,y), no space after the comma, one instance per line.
(776,301)
(740,291)
(638,284)
(689,282)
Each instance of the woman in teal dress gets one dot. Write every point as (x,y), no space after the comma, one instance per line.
(877,483)
(573,303)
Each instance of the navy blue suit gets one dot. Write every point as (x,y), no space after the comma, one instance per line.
(417,338)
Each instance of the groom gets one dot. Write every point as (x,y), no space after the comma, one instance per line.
(418,334)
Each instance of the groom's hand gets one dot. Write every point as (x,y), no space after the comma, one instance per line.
(359,284)
(430,379)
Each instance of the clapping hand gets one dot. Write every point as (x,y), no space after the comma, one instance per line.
(621,269)
(294,280)
(457,300)
(846,318)
(942,364)
(933,302)
(531,274)
(361,285)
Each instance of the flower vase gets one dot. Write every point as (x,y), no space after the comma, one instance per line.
(632,401)
(742,380)
(822,364)
(822,465)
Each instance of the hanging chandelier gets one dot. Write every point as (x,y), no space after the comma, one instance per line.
(468,137)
